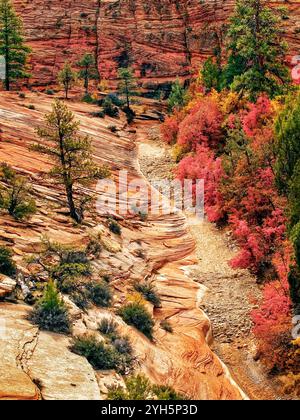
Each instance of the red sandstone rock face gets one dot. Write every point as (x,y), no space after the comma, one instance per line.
(163,38)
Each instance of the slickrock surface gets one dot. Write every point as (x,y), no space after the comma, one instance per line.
(182,359)
(163,38)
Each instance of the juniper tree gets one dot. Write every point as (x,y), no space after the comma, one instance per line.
(71,153)
(12,46)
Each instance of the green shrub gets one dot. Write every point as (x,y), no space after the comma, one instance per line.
(114,227)
(94,247)
(164,392)
(104,356)
(99,293)
(65,271)
(140,388)
(80,299)
(113,128)
(99,114)
(136,315)
(87,98)
(50,313)
(22,95)
(130,114)
(115,99)
(32,107)
(137,388)
(7,265)
(99,355)
(149,292)
(165,325)
(109,108)
(108,327)
(15,195)
(122,345)
(50,92)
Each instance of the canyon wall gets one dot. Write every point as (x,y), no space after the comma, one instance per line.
(162,38)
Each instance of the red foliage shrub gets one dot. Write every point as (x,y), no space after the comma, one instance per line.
(203,165)
(258,116)
(202,126)
(169,129)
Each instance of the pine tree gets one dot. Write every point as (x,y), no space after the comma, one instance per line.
(71,153)
(67,78)
(127,83)
(211,75)
(257,52)
(177,98)
(12,46)
(88,71)
(287,129)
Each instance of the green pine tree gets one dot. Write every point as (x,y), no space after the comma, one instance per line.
(12,46)
(67,78)
(257,52)
(88,70)
(287,130)
(211,75)
(127,83)
(71,153)
(178,96)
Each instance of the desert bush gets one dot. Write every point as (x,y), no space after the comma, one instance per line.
(88,99)
(122,345)
(138,387)
(165,325)
(163,392)
(103,356)
(99,355)
(115,99)
(149,292)
(65,271)
(108,327)
(99,293)
(135,314)
(80,299)
(94,246)
(109,108)
(130,114)
(50,313)
(15,194)
(7,265)
(98,114)
(113,128)
(114,227)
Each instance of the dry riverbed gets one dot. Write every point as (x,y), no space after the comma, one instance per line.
(231,294)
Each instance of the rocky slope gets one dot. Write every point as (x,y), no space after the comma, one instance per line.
(36,364)
(162,38)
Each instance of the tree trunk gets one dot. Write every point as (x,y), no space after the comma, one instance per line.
(73,212)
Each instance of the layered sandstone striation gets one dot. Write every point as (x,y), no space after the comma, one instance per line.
(40,365)
(161,38)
